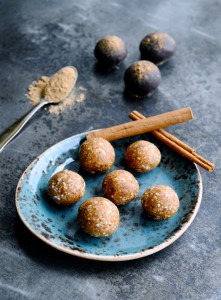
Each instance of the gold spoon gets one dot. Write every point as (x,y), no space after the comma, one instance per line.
(14,129)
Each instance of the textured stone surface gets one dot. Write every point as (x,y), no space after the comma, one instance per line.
(39,37)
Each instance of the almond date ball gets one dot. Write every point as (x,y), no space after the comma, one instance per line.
(142,78)
(110,51)
(160,202)
(98,216)
(142,156)
(157,47)
(96,155)
(120,187)
(66,187)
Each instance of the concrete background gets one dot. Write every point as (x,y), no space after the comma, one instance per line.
(39,37)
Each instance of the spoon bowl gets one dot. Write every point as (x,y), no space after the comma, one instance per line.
(56,83)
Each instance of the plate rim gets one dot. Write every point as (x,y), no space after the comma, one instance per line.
(120,257)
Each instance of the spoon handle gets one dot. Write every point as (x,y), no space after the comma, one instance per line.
(14,129)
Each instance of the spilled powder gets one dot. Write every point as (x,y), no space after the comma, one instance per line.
(67,102)
(80,98)
(81,95)
(36,91)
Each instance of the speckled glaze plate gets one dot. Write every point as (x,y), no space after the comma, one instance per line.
(137,236)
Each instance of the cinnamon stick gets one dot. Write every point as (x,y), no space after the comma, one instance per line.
(177,145)
(144,125)
(135,115)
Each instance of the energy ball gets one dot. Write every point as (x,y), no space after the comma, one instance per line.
(96,155)
(160,202)
(142,156)
(66,187)
(98,216)
(142,78)
(157,47)
(120,187)
(110,51)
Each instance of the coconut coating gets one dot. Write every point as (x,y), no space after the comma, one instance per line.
(160,202)
(98,216)
(142,156)
(157,47)
(110,51)
(120,187)
(66,187)
(96,155)
(142,78)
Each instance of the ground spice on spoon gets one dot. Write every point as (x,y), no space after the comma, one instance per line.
(56,88)
(60,84)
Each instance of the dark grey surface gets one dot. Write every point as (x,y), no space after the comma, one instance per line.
(39,37)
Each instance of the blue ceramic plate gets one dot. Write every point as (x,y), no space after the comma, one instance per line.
(137,236)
